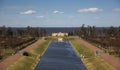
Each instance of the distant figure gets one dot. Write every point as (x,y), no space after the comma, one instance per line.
(82,56)
(97,53)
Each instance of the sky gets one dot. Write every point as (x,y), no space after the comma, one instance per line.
(59,13)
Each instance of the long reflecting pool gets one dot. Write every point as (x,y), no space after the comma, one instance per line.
(60,56)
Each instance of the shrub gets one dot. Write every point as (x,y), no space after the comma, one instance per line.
(1,57)
(25,53)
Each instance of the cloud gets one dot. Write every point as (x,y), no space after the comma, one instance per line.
(86,10)
(57,12)
(116,9)
(40,17)
(28,12)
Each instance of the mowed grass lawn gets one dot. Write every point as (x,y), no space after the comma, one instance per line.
(91,61)
(29,62)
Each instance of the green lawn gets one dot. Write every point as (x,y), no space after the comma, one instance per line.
(91,61)
(29,62)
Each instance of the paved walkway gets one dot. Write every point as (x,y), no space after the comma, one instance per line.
(115,62)
(60,56)
(10,60)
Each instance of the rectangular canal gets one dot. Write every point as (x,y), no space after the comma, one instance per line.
(60,56)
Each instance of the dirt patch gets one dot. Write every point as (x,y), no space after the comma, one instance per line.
(10,60)
(115,62)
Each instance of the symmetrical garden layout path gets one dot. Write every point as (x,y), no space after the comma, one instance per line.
(115,62)
(60,56)
(10,60)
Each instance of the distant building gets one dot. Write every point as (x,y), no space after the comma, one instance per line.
(59,34)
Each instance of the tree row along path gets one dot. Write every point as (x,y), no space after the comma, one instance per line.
(10,60)
(115,62)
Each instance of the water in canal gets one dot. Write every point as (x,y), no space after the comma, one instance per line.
(60,56)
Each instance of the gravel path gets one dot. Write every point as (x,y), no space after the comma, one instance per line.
(10,60)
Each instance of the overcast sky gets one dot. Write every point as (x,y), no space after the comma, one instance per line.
(59,13)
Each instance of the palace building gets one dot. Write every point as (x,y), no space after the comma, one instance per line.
(59,34)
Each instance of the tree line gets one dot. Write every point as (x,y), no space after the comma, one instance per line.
(28,31)
(92,31)
(107,38)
